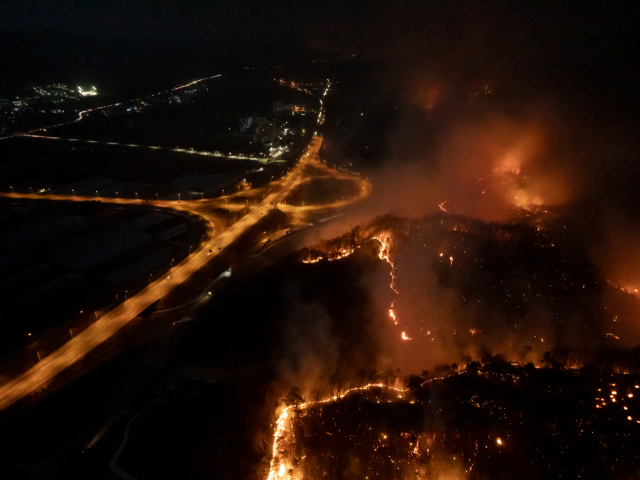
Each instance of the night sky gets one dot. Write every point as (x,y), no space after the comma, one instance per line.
(540,46)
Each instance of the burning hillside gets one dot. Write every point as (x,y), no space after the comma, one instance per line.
(486,422)
(463,287)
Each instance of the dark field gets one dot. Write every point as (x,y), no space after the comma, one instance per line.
(67,263)
(43,164)
(321,190)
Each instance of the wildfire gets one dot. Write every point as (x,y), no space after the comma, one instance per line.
(341,254)
(278,463)
(404,336)
(280,430)
(384,254)
(442,207)
(312,260)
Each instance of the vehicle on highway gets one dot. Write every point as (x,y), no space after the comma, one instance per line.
(266,242)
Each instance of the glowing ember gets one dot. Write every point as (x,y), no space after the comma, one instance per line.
(404,336)
(473,331)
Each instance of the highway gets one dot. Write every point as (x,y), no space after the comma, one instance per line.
(42,373)
(190,151)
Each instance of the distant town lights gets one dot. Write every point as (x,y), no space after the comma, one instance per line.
(85,93)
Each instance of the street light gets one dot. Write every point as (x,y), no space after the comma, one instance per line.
(156,196)
(97,193)
(136,195)
(178,198)
(117,194)
(172,263)
(74,192)
(150,275)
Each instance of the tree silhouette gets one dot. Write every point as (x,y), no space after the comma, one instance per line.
(293,397)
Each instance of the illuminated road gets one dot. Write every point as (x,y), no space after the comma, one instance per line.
(190,151)
(42,373)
